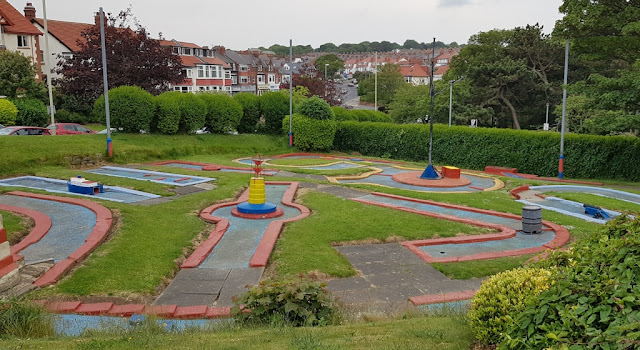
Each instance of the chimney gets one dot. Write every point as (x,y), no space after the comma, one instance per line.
(219,49)
(30,12)
(97,18)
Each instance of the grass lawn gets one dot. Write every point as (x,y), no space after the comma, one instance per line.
(96,127)
(480,268)
(14,224)
(305,245)
(424,332)
(604,202)
(304,161)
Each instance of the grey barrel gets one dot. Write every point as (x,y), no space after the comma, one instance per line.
(531,219)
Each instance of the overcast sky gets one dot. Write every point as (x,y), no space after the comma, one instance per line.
(252,23)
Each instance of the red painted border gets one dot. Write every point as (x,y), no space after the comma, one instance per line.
(268,240)
(561,234)
(42,224)
(442,298)
(209,166)
(516,191)
(95,238)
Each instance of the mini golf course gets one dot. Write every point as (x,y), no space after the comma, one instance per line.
(236,251)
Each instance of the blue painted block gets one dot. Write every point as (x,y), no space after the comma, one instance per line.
(596,212)
(248,208)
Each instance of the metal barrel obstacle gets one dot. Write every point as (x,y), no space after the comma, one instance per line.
(531,219)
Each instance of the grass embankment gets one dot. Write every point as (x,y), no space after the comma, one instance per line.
(428,332)
(22,155)
(603,202)
(15,225)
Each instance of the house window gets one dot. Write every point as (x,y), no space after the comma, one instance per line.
(201,71)
(176,88)
(227,74)
(260,79)
(187,73)
(407,79)
(234,80)
(259,68)
(23,41)
(244,80)
(175,50)
(186,51)
(244,68)
(272,79)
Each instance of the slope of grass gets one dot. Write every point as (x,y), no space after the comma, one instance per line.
(14,224)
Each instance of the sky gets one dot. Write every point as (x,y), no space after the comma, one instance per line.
(251,23)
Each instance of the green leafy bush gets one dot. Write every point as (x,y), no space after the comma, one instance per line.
(31,112)
(8,112)
(131,108)
(167,117)
(361,115)
(24,320)
(315,108)
(297,303)
(250,111)
(342,114)
(310,134)
(66,116)
(274,105)
(594,302)
(586,156)
(501,296)
(192,111)
(223,112)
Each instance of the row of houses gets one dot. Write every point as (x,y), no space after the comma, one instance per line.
(204,68)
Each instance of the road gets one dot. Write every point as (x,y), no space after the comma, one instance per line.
(351,98)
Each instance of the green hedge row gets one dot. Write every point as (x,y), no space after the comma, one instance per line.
(361,115)
(586,156)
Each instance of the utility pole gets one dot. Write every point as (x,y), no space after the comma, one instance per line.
(375,72)
(47,56)
(290,93)
(106,86)
(564,111)
(430,172)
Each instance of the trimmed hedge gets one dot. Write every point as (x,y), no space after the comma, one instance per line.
(361,115)
(131,108)
(8,112)
(586,156)
(274,105)
(315,108)
(311,134)
(192,111)
(223,112)
(31,112)
(167,117)
(250,111)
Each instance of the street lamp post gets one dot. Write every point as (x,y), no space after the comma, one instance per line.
(375,89)
(451,82)
(47,55)
(325,79)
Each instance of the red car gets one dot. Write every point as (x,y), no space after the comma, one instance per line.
(24,130)
(70,129)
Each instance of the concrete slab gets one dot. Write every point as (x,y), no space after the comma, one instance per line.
(202,275)
(186,299)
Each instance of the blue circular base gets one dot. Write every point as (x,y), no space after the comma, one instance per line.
(248,208)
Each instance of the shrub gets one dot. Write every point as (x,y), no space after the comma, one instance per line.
(341,114)
(66,116)
(361,115)
(131,108)
(315,108)
(8,112)
(167,117)
(31,112)
(274,105)
(594,298)
(297,303)
(223,112)
(19,319)
(250,112)
(192,111)
(501,296)
(311,134)
(586,156)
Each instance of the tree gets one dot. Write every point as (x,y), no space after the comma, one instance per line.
(328,47)
(411,44)
(313,80)
(389,80)
(17,76)
(133,58)
(335,64)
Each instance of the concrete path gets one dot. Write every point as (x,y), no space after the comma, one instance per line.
(389,274)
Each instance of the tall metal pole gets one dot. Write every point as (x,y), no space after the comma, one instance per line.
(375,74)
(450,99)
(564,111)
(106,86)
(47,58)
(290,93)
(432,93)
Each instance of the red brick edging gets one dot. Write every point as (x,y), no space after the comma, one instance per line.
(97,235)
(269,238)
(561,234)
(516,191)
(442,298)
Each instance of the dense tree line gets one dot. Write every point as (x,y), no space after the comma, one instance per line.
(365,46)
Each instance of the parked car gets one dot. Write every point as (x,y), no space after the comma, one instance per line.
(350,85)
(24,130)
(70,129)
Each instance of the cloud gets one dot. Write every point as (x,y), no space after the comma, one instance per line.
(453,3)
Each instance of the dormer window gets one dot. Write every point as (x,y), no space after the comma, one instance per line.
(175,50)
(259,68)
(186,51)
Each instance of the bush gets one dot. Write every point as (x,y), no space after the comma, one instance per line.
(297,303)
(31,112)
(342,114)
(193,111)
(362,115)
(250,112)
(311,134)
(502,295)
(594,298)
(223,112)
(66,116)
(131,108)
(23,320)
(166,120)
(274,105)
(8,112)
(315,108)
(586,156)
